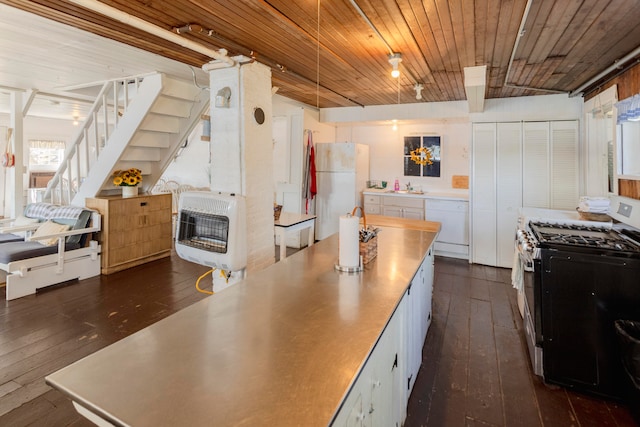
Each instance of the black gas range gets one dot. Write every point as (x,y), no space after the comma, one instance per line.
(586,239)
(584,278)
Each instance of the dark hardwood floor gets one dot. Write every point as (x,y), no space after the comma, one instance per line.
(475,371)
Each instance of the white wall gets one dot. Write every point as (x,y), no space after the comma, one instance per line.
(386,148)
(289,148)
(451,120)
(33,128)
(43,128)
(193,165)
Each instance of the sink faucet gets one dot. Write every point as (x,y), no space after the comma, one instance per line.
(408,185)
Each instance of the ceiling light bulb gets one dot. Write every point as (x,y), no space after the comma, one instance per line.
(395,59)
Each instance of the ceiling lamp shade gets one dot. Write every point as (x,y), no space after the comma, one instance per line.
(395,59)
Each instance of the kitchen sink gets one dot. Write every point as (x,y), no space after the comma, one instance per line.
(405,192)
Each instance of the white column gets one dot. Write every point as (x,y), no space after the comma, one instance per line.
(241,153)
(15,175)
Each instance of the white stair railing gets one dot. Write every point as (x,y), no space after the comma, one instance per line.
(84,150)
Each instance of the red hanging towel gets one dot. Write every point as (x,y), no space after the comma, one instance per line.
(309,187)
(312,171)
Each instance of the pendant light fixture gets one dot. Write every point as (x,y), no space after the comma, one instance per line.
(395,59)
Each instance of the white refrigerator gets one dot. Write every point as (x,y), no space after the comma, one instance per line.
(342,172)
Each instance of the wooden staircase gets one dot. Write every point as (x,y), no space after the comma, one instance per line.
(136,122)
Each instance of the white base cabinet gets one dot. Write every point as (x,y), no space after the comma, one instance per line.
(396,206)
(381,392)
(403,207)
(453,216)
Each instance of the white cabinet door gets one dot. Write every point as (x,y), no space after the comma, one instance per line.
(392,211)
(372,204)
(418,317)
(533,164)
(509,189)
(535,172)
(551,164)
(483,194)
(378,397)
(428,269)
(413,213)
(453,216)
(388,407)
(564,190)
(371,209)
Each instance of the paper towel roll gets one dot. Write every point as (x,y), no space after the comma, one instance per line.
(349,250)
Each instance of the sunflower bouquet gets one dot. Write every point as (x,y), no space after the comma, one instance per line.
(127,178)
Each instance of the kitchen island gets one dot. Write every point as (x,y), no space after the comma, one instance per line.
(293,344)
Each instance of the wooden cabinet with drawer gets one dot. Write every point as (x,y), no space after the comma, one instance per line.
(135,230)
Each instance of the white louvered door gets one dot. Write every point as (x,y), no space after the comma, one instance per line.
(564,190)
(509,189)
(535,172)
(483,194)
(529,164)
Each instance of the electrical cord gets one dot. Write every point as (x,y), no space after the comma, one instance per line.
(198,283)
(224,274)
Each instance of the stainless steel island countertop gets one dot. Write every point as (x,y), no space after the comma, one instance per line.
(281,348)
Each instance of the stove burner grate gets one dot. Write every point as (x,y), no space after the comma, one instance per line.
(582,236)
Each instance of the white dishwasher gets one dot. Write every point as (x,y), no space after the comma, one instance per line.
(453,215)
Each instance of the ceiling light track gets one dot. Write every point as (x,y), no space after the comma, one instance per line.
(392,54)
(373,27)
(255,56)
(521,33)
(141,24)
(617,65)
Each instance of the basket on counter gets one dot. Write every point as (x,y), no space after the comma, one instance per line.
(590,216)
(277,209)
(368,249)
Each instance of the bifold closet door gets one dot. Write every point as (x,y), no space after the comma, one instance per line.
(508,189)
(483,194)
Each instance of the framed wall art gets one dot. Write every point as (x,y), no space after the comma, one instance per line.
(422,155)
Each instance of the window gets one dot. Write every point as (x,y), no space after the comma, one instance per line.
(419,146)
(45,154)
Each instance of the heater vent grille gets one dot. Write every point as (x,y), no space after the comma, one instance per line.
(204,231)
(211,229)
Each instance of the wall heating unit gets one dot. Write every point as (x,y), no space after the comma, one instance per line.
(211,229)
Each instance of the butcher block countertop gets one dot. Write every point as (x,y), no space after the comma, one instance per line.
(281,348)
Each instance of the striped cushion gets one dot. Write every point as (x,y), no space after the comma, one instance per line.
(39,210)
(66,212)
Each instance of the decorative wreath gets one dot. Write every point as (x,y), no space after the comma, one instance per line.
(422,156)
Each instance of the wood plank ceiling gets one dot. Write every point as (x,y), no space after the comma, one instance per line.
(341,59)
